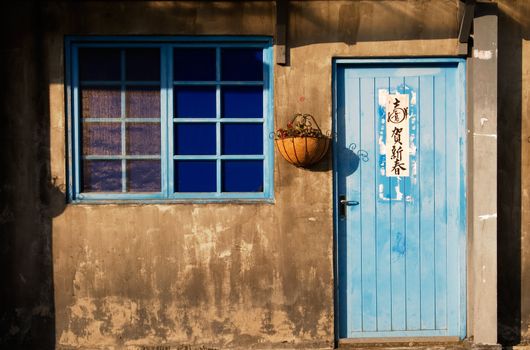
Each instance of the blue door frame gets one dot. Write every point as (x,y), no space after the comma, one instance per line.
(366,305)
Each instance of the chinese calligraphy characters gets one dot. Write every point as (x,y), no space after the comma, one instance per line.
(397,135)
(397,152)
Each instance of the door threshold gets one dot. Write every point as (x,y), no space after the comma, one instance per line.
(400,342)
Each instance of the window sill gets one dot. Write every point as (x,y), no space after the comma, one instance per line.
(172,201)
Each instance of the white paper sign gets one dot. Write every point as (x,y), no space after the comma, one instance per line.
(397,135)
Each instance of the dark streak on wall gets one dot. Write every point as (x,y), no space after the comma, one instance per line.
(513,224)
(29,197)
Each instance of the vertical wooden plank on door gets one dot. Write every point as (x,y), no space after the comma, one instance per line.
(412,213)
(341,245)
(382,234)
(426,178)
(353,214)
(367,204)
(397,239)
(455,200)
(458,322)
(440,213)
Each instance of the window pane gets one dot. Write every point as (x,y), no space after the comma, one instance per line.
(195,176)
(242,175)
(142,102)
(121,112)
(143,138)
(101,138)
(101,102)
(242,102)
(195,139)
(242,138)
(194,64)
(142,64)
(194,101)
(99,64)
(143,175)
(102,176)
(242,64)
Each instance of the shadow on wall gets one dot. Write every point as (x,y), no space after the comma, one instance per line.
(29,199)
(513,29)
(309,22)
(380,20)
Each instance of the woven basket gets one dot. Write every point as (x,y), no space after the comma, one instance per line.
(302,151)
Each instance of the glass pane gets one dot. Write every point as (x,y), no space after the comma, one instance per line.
(142,64)
(242,64)
(195,176)
(101,102)
(102,176)
(99,64)
(194,64)
(242,102)
(143,176)
(194,101)
(242,176)
(142,102)
(195,139)
(242,138)
(101,138)
(143,138)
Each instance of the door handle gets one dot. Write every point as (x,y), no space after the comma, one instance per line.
(343,203)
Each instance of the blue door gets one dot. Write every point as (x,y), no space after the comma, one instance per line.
(400,198)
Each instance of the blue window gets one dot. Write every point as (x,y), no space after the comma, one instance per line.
(169,118)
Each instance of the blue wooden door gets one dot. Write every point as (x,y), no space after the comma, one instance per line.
(401,240)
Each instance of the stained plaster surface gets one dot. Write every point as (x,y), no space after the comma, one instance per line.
(220,275)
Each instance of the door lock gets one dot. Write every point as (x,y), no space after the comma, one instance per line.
(343,203)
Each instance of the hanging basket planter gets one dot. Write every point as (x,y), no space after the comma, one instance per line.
(302,151)
(302,143)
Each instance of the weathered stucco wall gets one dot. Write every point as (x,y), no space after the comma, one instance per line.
(218,275)
(222,275)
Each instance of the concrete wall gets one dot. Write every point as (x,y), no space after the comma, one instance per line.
(482,177)
(222,275)
(218,275)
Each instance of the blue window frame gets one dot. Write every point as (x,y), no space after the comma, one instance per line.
(169,118)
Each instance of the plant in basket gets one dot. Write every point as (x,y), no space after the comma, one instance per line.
(302,143)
